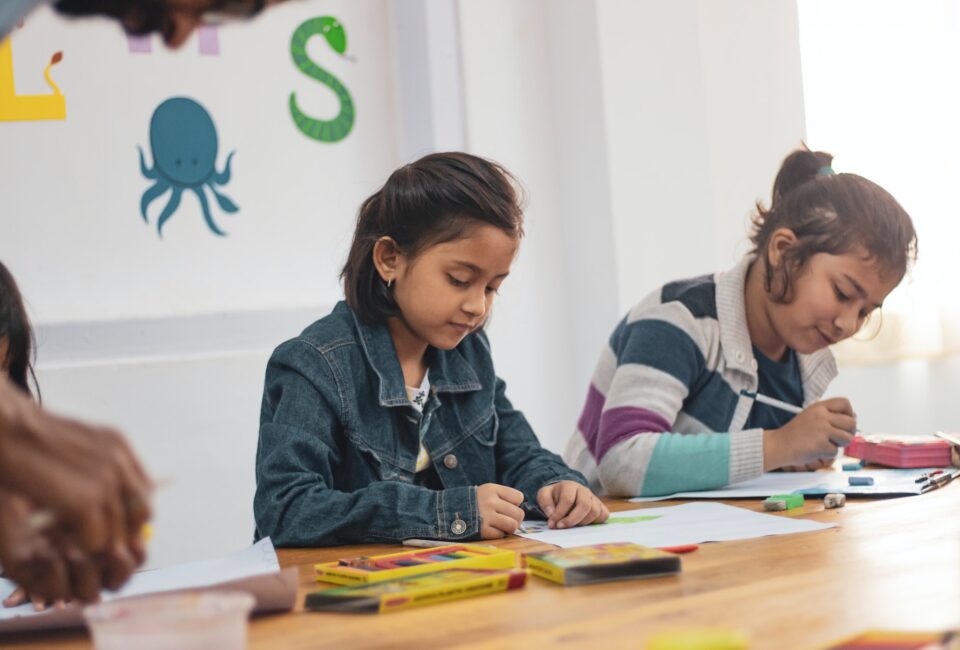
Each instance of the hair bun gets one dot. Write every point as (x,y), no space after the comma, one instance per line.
(800,167)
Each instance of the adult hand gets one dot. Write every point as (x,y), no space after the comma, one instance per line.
(86,476)
(568,504)
(50,568)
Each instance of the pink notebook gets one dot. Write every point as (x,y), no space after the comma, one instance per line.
(900,451)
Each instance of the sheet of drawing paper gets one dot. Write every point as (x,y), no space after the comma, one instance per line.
(691,523)
(255,570)
(886,482)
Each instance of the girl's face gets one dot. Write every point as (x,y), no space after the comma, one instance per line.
(831,299)
(446,291)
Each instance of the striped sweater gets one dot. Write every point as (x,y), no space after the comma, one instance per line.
(664,411)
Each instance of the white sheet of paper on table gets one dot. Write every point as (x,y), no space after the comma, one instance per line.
(887,482)
(691,523)
(255,570)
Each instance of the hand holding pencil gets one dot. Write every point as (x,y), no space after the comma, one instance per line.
(813,436)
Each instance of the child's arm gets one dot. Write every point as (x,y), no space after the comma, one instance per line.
(656,363)
(521,462)
(296,503)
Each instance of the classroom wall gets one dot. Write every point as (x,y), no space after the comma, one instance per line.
(642,132)
(166,337)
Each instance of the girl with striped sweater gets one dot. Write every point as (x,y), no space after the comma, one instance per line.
(671,405)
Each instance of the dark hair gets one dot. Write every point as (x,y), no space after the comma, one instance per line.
(830,213)
(439,198)
(15,327)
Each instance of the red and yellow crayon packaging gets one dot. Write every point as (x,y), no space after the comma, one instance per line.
(416,591)
(391,566)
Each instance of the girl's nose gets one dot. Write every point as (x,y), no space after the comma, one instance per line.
(846,322)
(476,303)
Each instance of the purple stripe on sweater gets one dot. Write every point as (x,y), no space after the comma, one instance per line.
(589,422)
(616,425)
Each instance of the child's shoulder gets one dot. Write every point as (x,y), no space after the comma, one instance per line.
(335,330)
(683,310)
(692,298)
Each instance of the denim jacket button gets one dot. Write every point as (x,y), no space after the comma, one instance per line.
(458,527)
(450,461)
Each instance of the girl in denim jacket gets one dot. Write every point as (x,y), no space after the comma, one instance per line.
(385,420)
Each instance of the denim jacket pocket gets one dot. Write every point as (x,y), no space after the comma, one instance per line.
(486,432)
(383,467)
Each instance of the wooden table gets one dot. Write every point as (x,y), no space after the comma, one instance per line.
(891,564)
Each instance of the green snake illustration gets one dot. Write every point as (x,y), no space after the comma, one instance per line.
(322,130)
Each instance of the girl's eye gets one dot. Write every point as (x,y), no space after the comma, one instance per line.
(457,282)
(495,290)
(842,297)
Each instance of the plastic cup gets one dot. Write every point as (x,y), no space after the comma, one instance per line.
(185,621)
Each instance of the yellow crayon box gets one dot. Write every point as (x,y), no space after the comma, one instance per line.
(416,591)
(391,566)
(580,565)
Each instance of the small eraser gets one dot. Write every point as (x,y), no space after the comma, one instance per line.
(774,504)
(834,500)
(792,500)
(852,467)
(861,480)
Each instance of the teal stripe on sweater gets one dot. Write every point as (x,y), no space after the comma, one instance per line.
(682,462)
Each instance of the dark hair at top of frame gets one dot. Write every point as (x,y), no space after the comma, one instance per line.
(830,213)
(15,328)
(439,198)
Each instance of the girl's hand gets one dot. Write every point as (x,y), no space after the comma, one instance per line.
(500,512)
(811,437)
(809,467)
(568,504)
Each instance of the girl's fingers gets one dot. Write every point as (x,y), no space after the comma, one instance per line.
(595,509)
(579,511)
(844,422)
(510,510)
(566,499)
(840,438)
(503,523)
(601,513)
(839,405)
(509,494)
(39,604)
(545,499)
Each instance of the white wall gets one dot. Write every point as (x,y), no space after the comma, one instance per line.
(167,338)
(642,131)
(703,99)
(72,188)
(643,138)
(533,103)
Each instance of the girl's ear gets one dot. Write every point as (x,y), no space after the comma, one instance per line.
(780,240)
(387,258)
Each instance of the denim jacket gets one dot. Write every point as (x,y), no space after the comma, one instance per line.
(339,440)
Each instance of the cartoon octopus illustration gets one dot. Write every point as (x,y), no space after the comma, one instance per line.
(183,140)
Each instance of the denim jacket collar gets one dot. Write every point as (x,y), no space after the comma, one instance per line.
(449,371)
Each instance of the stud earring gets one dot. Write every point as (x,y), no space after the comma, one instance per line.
(389,283)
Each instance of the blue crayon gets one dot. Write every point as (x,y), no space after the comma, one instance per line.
(852,467)
(861,480)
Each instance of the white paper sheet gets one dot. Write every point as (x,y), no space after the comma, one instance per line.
(691,523)
(255,570)
(886,482)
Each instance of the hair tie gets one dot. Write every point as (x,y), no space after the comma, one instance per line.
(826,170)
